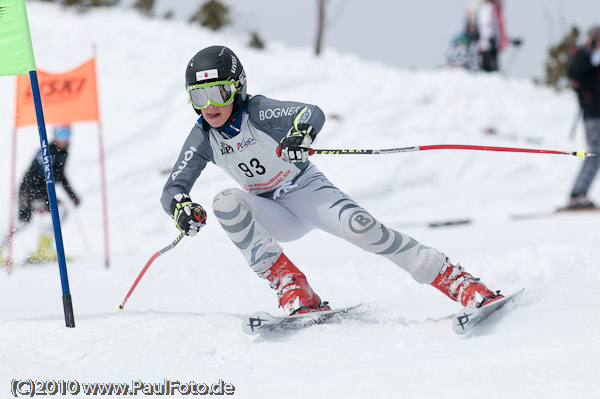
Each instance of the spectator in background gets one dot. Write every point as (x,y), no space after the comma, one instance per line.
(33,193)
(483,38)
(462,53)
(584,73)
(492,38)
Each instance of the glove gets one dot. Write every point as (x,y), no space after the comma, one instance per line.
(295,146)
(189,216)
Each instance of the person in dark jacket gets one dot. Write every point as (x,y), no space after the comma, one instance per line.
(33,193)
(585,75)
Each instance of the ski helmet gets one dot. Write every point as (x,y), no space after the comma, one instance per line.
(217,63)
(62,132)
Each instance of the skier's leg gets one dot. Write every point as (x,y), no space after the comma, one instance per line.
(327,208)
(254,224)
(46,251)
(23,219)
(590,166)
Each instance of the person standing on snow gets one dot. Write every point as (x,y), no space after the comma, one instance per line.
(33,193)
(491,30)
(584,72)
(264,145)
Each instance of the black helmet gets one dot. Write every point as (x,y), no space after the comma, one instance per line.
(217,63)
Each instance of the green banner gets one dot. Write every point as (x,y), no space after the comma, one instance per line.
(16,52)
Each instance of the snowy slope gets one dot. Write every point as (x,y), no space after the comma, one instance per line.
(183,322)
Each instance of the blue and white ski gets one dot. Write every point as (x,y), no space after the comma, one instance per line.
(262,321)
(468,317)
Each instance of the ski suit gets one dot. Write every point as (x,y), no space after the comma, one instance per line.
(33,186)
(281,201)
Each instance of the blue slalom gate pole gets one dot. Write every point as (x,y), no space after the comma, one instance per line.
(49,175)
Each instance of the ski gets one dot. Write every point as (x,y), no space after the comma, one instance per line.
(438,223)
(468,318)
(557,211)
(260,322)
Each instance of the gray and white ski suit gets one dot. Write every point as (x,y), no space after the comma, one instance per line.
(283,201)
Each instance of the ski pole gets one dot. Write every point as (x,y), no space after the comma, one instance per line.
(156,255)
(575,123)
(581,153)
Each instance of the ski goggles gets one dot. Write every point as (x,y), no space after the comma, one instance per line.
(216,93)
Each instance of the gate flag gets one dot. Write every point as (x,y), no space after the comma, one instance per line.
(16,58)
(67,97)
(15,40)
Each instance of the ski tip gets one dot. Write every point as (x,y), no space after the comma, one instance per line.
(256,322)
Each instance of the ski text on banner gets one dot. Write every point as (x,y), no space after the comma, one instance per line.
(67,97)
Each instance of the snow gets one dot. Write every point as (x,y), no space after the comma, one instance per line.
(183,321)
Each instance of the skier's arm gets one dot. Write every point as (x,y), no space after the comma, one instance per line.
(277,117)
(294,125)
(69,190)
(193,158)
(60,176)
(295,146)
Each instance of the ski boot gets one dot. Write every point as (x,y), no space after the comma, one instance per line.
(579,202)
(462,287)
(294,294)
(45,251)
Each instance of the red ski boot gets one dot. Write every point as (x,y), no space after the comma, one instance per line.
(293,291)
(462,287)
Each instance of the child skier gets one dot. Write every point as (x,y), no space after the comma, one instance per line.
(33,194)
(264,145)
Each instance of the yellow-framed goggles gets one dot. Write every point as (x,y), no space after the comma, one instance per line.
(216,93)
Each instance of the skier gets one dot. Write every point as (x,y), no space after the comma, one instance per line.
(264,145)
(585,74)
(33,194)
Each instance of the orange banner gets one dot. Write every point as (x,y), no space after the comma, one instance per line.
(66,97)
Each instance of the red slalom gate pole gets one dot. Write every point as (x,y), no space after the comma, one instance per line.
(152,259)
(581,153)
